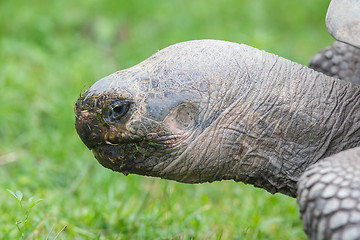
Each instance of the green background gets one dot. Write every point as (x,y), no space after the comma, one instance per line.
(52,50)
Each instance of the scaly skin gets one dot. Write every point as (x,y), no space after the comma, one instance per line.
(329,197)
(211,110)
(339,60)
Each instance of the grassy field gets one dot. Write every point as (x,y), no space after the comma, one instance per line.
(51,50)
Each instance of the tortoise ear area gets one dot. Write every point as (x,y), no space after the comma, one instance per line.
(183,117)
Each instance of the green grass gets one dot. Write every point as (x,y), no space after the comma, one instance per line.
(51,50)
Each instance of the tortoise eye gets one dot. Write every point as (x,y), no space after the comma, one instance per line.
(118,110)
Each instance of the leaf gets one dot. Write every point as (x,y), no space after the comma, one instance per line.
(137,148)
(33,204)
(11,192)
(19,195)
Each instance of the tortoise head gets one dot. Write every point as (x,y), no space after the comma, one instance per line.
(343,21)
(137,120)
(161,117)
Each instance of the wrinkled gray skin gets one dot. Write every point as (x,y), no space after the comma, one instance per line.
(209,110)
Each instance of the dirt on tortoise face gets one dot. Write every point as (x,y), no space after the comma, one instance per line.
(124,140)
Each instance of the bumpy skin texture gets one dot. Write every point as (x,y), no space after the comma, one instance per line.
(339,60)
(329,197)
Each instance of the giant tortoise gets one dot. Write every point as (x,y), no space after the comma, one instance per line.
(208,110)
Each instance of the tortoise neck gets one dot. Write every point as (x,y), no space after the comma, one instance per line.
(296,117)
(289,119)
(276,119)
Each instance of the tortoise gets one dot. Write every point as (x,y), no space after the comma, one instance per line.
(341,60)
(209,110)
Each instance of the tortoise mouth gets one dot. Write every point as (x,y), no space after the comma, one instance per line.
(110,157)
(126,157)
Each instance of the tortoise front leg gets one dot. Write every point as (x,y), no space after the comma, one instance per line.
(338,60)
(329,197)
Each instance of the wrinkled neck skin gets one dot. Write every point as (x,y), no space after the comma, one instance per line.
(276,118)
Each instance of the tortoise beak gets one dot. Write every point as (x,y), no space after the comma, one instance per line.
(87,125)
